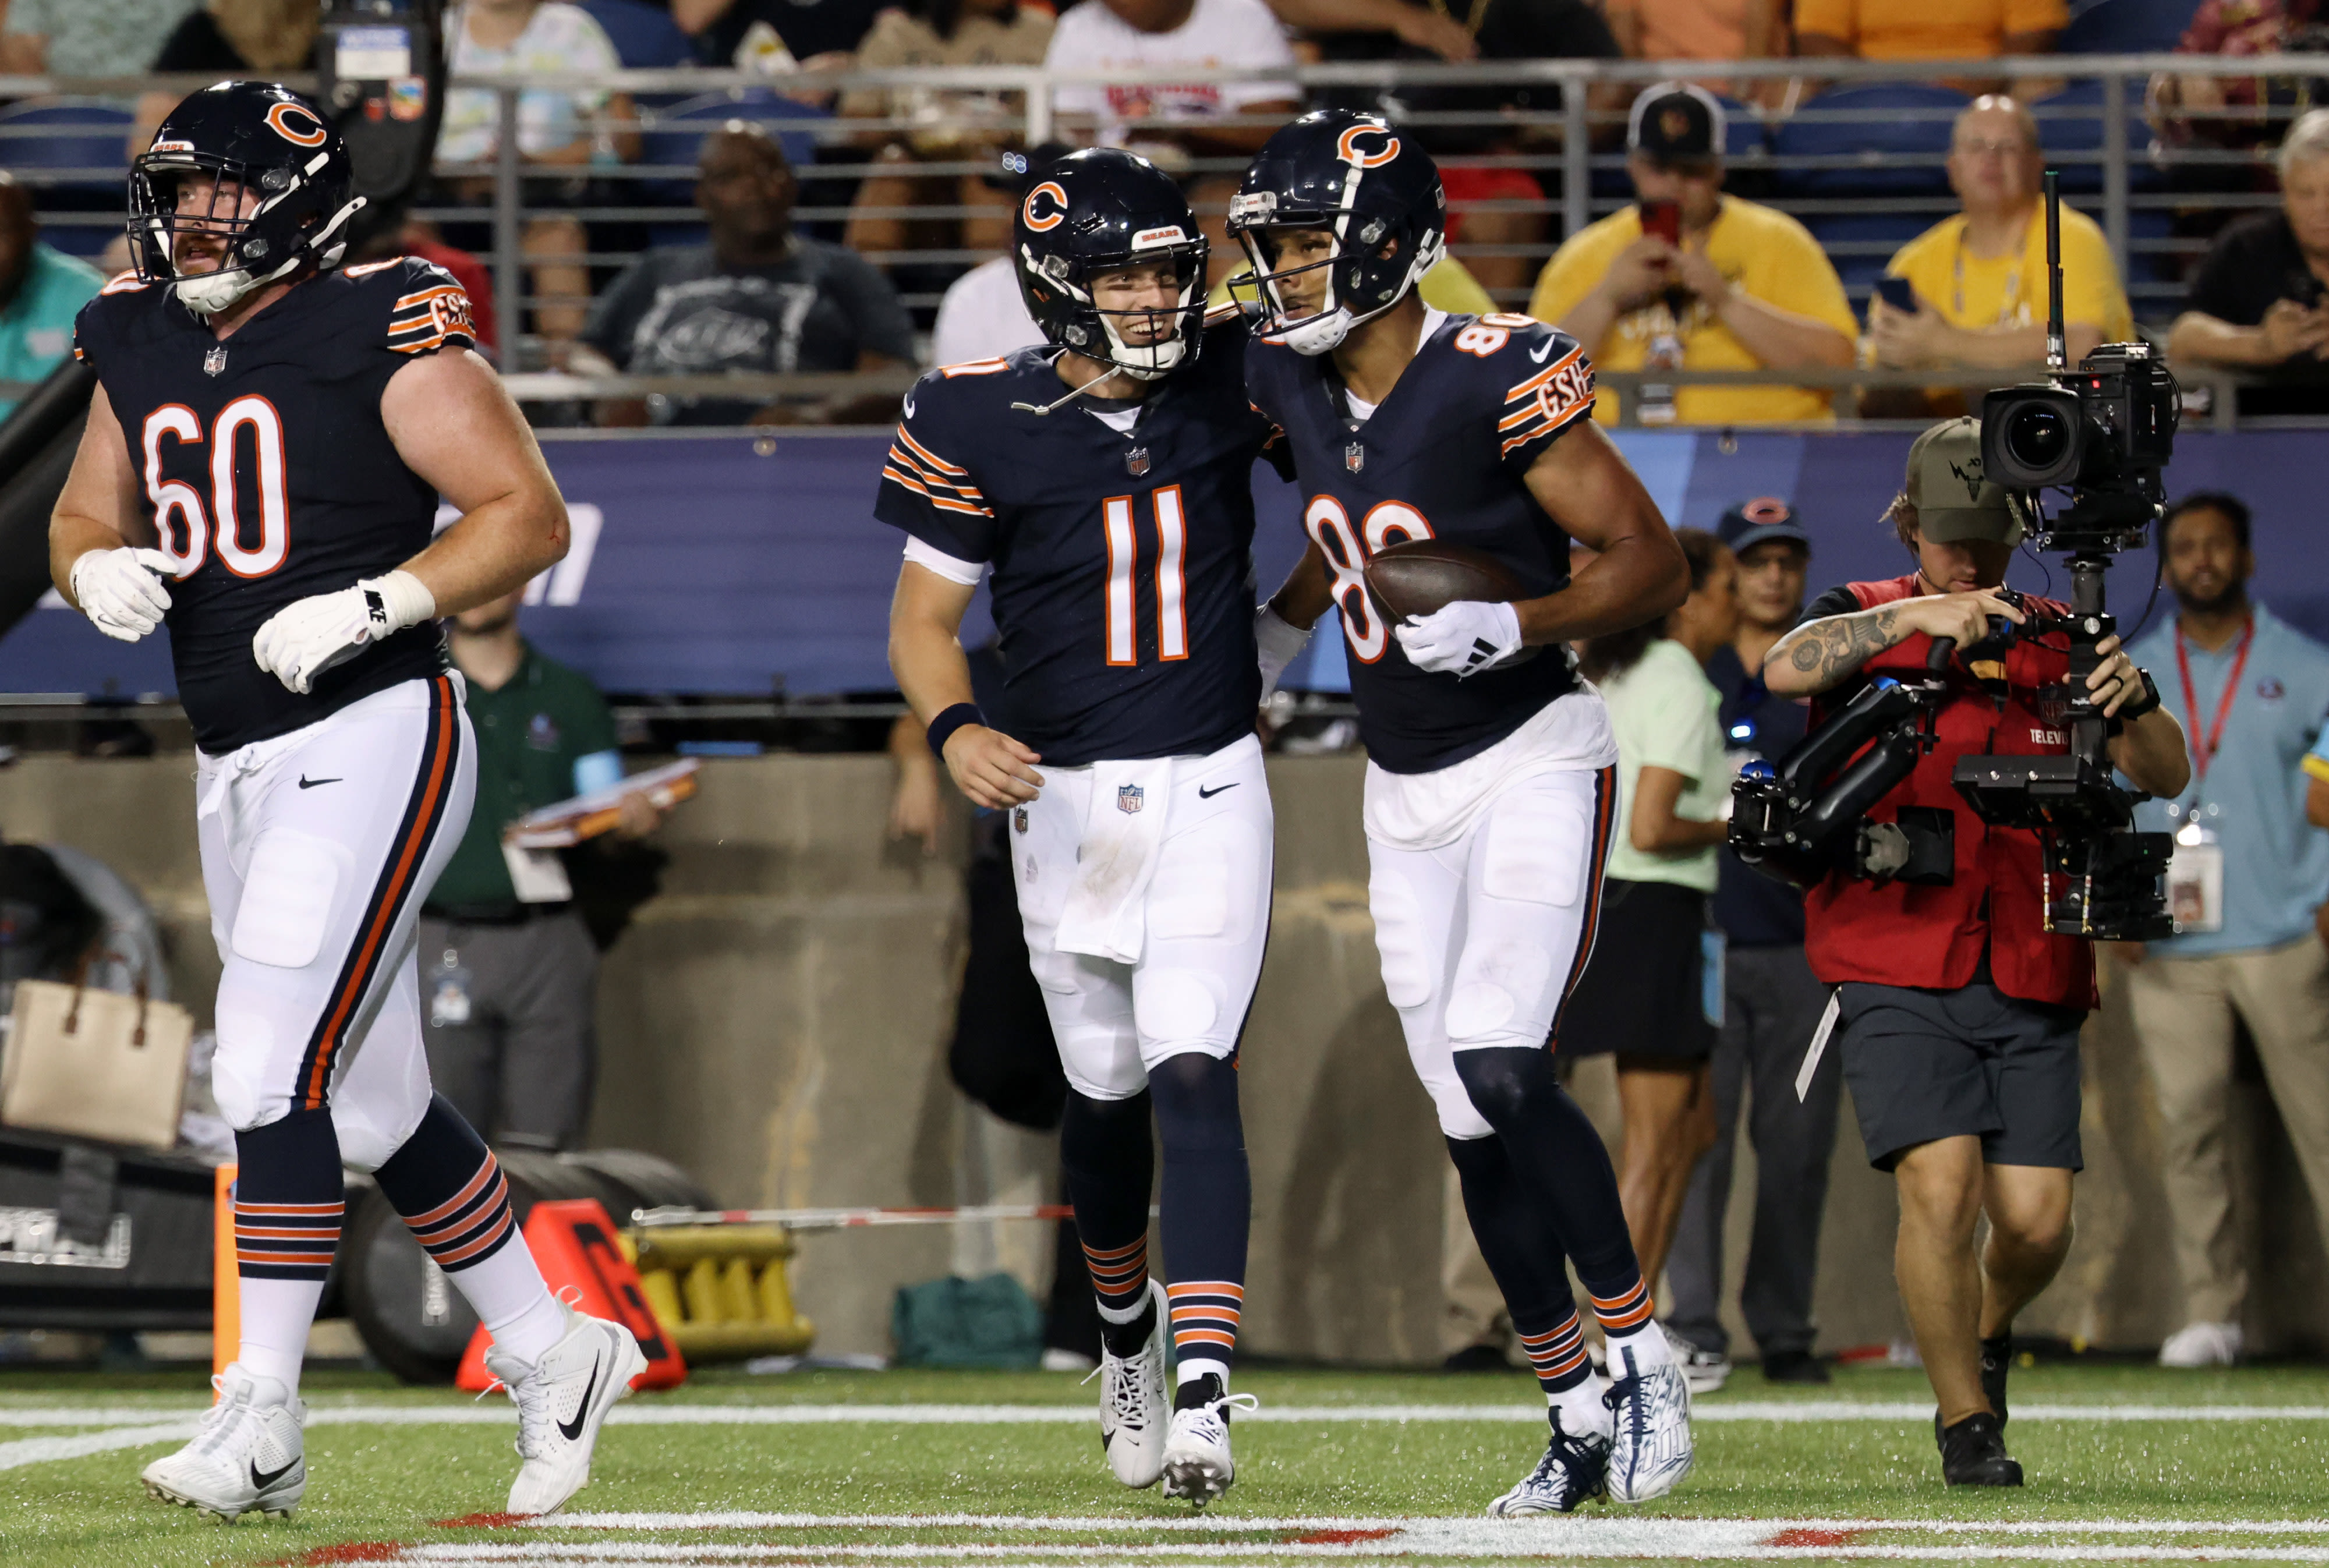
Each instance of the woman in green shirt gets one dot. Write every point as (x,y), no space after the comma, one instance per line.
(1650,994)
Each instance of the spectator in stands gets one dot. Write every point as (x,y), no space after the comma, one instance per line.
(759,299)
(2237,111)
(2249,877)
(1746,287)
(85,37)
(2257,303)
(1701,30)
(1772,1004)
(1945,30)
(1173,124)
(774,34)
(1644,995)
(940,125)
(558,131)
(508,971)
(243,38)
(42,289)
(1980,278)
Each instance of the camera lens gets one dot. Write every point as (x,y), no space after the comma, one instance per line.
(2037,436)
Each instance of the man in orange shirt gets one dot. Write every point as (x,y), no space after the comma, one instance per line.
(1909,30)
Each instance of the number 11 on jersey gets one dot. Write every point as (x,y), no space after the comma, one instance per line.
(1123,561)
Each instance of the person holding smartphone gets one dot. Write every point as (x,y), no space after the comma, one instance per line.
(1691,278)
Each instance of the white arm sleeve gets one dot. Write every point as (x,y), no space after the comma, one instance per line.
(929,558)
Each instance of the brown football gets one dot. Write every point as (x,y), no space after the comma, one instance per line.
(1419,576)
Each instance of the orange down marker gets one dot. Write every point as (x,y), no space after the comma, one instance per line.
(574,1245)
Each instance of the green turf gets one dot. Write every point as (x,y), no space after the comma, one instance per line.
(390,1483)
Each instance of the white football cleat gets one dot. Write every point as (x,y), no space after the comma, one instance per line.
(1650,1449)
(1574,1471)
(1133,1409)
(562,1400)
(248,1453)
(2202,1345)
(1197,1463)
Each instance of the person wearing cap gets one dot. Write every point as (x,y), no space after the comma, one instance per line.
(1691,278)
(1955,1012)
(1771,1005)
(2245,888)
(1979,278)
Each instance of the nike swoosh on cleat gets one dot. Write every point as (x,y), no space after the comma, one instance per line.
(572,1430)
(1205,794)
(262,1480)
(307,783)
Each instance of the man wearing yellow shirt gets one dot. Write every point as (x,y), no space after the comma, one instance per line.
(1980,278)
(1747,288)
(1918,30)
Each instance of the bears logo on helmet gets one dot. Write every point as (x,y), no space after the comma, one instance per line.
(1349,147)
(279,121)
(1045,209)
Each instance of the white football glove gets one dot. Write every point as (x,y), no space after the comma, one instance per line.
(305,638)
(1280,642)
(121,591)
(1461,638)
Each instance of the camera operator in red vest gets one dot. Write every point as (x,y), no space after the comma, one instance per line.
(1958,1013)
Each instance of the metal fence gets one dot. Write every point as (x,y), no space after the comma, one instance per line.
(1855,150)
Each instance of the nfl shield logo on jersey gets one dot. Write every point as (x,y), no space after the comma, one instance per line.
(214,362)
(1135,461)
(1129,798)
(1355,456)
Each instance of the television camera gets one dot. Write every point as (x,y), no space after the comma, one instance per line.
(2103,433)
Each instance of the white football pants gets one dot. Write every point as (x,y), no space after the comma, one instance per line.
(1483,938)
(1207,915)
(318,847)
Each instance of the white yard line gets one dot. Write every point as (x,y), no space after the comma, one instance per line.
(497,1412)
(1218,1524)
(41,1451)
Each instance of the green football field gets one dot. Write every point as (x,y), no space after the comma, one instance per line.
(2126,1464)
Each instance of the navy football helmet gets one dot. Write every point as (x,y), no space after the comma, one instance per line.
(1099,211)
(248,137)
(1373,187)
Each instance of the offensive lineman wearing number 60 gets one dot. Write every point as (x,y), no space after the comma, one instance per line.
(260,468)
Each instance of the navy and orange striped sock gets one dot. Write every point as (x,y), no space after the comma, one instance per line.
(451,1193)
(1109,1160)
(1629,1320)
(287,1209)
(1205,1208)
(1205,1326)
(1557,1353)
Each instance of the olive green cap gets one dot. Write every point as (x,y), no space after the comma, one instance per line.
(1954,500)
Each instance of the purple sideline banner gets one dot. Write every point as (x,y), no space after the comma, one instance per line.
(738,565)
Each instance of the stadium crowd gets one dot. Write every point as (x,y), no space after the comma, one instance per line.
(872,205)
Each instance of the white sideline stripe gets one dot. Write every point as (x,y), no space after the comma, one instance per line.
(1220,1524)
(41,1451)
(497,1412)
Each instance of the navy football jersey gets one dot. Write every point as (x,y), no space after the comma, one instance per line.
(1442,458)
(268,474)
(1122,560)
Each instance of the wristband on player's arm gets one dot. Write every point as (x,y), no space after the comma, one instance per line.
(949,721)
(2144,704)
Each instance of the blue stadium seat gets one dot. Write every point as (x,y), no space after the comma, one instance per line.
(673,137)
(1861,244)
(2071,122)
(1888,121)
(73,154)
(645,36)
(2126,27)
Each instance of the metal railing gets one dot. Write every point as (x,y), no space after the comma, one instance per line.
(2155,194)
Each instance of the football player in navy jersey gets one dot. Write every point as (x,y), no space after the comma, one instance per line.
(260,473)
(1104,483)
(1491,775)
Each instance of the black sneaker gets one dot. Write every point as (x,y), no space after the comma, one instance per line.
(1972,1452)
(1997,1357)
(1794,1366)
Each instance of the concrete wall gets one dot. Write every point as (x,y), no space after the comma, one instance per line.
(776,1021)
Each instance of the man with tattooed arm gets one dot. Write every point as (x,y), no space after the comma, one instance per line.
(1956,1013)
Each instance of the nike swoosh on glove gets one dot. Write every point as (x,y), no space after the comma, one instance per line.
(305,638)
(1461,638)
(121,591)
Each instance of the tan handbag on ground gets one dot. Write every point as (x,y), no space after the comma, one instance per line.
(95,1065)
